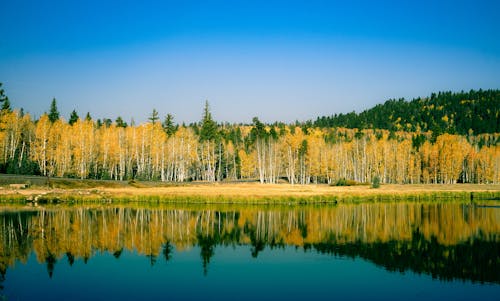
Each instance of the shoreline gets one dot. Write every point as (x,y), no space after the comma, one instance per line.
(251,193)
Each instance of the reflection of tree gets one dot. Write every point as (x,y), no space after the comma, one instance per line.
(117,253)
(71,258)
(51,262)
(476,259)
(207,245)
(152,259)
(3,271)
(349,230)
(167,250)
(302,225)
(257,243)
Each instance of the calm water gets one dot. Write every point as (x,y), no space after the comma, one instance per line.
(407,251)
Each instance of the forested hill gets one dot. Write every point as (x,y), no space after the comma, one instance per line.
(445,112)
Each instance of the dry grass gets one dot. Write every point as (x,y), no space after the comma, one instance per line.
(253,193)
(259,190)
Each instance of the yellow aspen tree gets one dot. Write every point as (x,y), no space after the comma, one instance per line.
(230,155)
(28,133)
(63,151)
(83,147)
(330,167)
(109,151)
(316,154)
(248,164)
(122,153)
(103,140)
(402,160)
(3,138)
(11,127)
(429,158)
(180,154)
(171,155)
(130,150)
(39,147)
(378,158)
(344,162)
(292,142)
(54,147)
(488,164)
(272,164)
(469,169)
(157,141)
(142,149)
(451,150)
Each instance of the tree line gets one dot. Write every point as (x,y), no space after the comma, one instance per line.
(208,151)
(460,113)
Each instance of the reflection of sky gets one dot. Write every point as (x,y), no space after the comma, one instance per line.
(279,60)
(278,274)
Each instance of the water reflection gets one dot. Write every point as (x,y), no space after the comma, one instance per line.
(448,241)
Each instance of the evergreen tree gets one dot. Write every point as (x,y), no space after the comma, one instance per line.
(2,93)
(444,112)
(154,116)
(6,105)
(88,117)
(73,117)
(168,125)
(208,131)
(120,123)
(53,113)
(4,100)
(107,122)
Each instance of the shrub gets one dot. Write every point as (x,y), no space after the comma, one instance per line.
(344,182)
(376,182)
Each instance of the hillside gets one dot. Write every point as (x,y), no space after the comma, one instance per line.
(445,112)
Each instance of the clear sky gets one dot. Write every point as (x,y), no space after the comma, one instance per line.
(278,60)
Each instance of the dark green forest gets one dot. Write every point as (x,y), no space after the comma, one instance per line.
(473,112)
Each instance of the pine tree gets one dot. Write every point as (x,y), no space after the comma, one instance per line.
(2,94)
(208,131)
(73,117)
(168,125)
(6,105)
(4,100)
(53,113)
(154,116)
(107,122)
(120,123)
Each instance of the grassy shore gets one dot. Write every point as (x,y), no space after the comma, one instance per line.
(43,190)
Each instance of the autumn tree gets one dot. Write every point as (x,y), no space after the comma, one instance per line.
(40,143)
(206,151)
(259,137)
(83,147)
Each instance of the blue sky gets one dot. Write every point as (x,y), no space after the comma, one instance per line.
(278,60)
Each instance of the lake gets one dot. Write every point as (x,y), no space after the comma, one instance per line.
(374,251)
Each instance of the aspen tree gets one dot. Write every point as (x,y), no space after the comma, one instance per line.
(40,143)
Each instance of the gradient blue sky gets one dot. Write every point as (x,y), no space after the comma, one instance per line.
(279,60)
